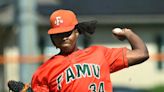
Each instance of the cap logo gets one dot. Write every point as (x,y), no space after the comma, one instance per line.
(58,21)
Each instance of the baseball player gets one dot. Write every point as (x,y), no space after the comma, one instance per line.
(84,70)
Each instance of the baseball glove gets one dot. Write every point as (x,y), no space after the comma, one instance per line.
(18,86)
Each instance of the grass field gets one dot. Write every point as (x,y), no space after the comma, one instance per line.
(159,88)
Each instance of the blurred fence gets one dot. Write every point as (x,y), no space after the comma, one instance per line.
(42,58)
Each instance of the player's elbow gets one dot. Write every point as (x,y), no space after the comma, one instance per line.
(138,58)
(143,57)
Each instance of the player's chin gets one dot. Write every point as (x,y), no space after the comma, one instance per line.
(66,47)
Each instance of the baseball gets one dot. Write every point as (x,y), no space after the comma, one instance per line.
(117,30)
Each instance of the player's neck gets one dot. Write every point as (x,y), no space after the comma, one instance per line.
(66,53)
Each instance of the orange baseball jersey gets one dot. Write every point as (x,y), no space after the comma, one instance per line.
(85,70)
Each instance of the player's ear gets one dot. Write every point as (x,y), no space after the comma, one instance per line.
(76,32)
(53,42)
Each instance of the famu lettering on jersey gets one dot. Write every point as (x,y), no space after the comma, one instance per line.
(81,71)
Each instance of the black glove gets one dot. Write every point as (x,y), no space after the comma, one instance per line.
(18,86)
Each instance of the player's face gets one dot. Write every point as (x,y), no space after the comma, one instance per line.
(66,41)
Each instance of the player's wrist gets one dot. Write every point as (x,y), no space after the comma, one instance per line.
(128,33)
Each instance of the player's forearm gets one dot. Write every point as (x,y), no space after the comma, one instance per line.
(139,52)
(135,41)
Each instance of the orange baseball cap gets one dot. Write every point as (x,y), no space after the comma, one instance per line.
(62,21)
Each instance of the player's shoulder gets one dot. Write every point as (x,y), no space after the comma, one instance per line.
(51,61)
(99,47)
(104,49)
